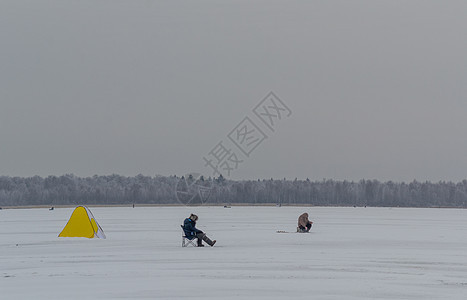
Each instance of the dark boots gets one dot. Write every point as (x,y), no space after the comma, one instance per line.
(208,241)
(202,237)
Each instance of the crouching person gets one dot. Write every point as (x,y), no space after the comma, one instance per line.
(189,226)
(304,225)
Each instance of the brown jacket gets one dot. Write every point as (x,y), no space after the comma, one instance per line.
(303,220)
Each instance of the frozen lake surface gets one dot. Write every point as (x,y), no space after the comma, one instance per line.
(351,253)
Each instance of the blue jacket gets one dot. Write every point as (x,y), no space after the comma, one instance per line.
(189,226)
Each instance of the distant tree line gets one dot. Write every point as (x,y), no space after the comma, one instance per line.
(115,189)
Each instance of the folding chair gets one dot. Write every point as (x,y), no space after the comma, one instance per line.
(186,241)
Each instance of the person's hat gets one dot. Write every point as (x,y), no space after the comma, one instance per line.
(193,217)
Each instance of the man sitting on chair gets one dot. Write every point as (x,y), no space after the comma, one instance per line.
(191,232)
(304,225)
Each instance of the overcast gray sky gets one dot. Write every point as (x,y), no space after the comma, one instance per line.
(376,89)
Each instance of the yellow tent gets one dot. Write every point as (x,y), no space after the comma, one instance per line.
(82,224)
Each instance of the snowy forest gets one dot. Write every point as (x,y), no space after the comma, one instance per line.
(174,190)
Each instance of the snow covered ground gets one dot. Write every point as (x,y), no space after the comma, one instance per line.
(352,253)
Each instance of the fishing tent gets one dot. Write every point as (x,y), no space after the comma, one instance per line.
(82,224)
